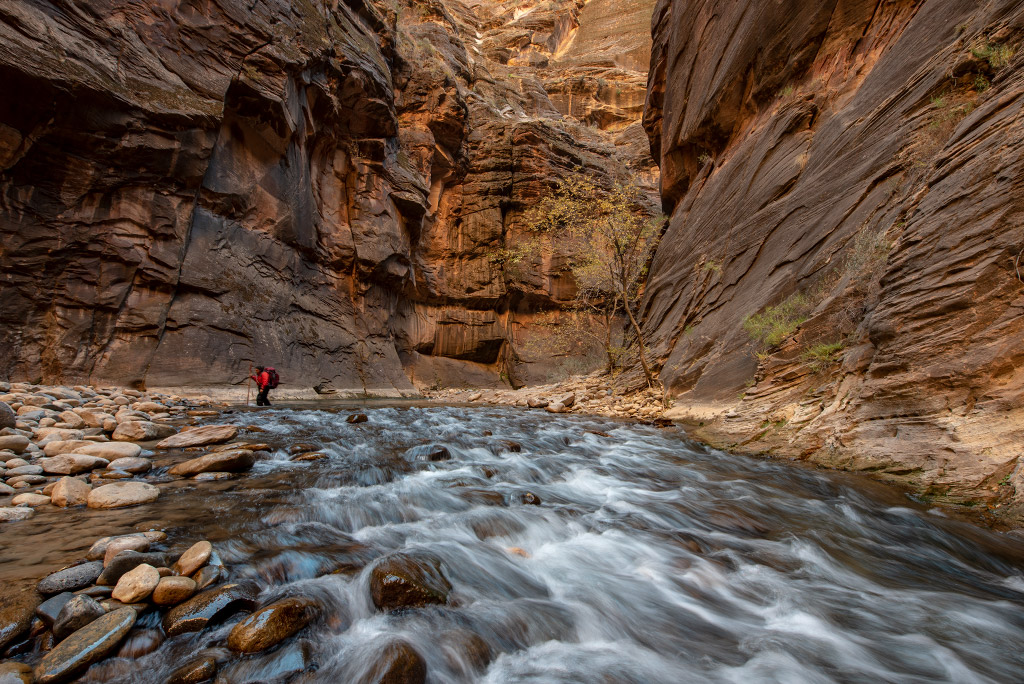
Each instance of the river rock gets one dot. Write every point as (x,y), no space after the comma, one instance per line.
(280,665)
(64,446)
(8,418)
(126,543)
(142,431)
(197,612)
(25,470)
(70,579)
(148,407)
(15,514)
(194,558)
(136,584)
(399,663)
(272,624)
(200,436)
(111,450)
(70,491)
(17,608)
(141,642)
(15,463)
(72,464)
(402,581)
(556,408)
(12,672)
(49,609)
(357,418)
(88,645)
(6,489)
(15,443)
(72,420)
(126,561)
(536,402)
(173,590)
(530,499)
(208,576)
(136,466)
(76,613)
(221,461)
(30,499)
(99,548)
(199,670)
(120,494)
(429,452)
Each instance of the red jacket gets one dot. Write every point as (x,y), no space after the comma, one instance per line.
(261,379)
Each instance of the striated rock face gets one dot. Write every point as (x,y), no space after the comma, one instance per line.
(188,188)
(855,166)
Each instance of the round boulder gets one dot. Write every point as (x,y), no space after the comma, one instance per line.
(402,581)
(121,494)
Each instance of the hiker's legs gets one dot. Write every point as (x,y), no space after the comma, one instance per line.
(261,398)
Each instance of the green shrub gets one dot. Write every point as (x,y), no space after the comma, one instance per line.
(776,323)
(996,54)
(821,356)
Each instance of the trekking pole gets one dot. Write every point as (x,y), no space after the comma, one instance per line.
(248,385)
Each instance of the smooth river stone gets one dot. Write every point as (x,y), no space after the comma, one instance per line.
(72,464)
(76,613)
(8,418)
(126,543)
(137,584)
(173,590)
(88,645)
(25,470)
(272,625)
(126,561)
(120,494)
(194,558)
(99,548)
(13,672)
(111,450)
(221,462)
(402,581)
(70,491)
(70,579)
(196,613)
(64,446)
(141,431)
(15,514)
(200,436)
(16,443)
(200,670)
(49,609)
(30,499)
(135,466)
(17,608)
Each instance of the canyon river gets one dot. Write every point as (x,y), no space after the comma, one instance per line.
(578,550)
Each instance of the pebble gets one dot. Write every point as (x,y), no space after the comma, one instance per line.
(201,436)
(126,543)
(70,579)
(194,558)
(78,612)
(140,643)
(196,613)
(272,624)
(173,590)
(49,609)
(399,662)
(70,491)
(221,462)
(136,584)
(208,576)
(120,494)
(88,645)
(126,561)
(15,514)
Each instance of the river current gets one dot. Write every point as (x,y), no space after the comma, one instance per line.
(648,559)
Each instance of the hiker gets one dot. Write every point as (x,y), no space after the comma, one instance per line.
(266,380)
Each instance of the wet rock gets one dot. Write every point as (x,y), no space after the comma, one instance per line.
(15,443)
(530,499)
(22,481)
(15,514)
(72,464)
(126,561)
(12,672)
(49,609)
(223,461)
(173,590)
(402,581)
(25,470)
(70,491)
(120,494)
(141,431)
(466,650)
(136,584)
(208,576)
(96,591)
(494,524)
(399,663)
(6,490)
(357,418)
(200,610)
(127,543)
(78,612)
(310,456)
(281,665)
(111,450)
(112,604)
(65,446)
(199,670)
(194,558)
(537,402)
(88,645)
(556,408)
(214,477)
(70,579)
(17,609)
(479,496)
(429,452)
(99,548)
(272,624)
(140,643)
(200,436)
(135,466)
(8,418)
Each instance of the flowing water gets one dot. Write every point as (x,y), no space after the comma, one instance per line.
(648,559)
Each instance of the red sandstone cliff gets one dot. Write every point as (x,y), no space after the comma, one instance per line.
(859,165)
(185,187)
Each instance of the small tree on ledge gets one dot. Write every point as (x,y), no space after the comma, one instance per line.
(608,238)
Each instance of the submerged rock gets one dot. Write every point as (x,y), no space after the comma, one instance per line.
(429,452)
(272,624)
(402,581)
(281,665)
(197,612)
(88,645)
(15,514)
(399,663)
(199,670)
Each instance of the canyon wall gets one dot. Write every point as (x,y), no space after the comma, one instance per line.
(842,276)
(187,187)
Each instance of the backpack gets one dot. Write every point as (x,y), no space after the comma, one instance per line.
(273,380)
